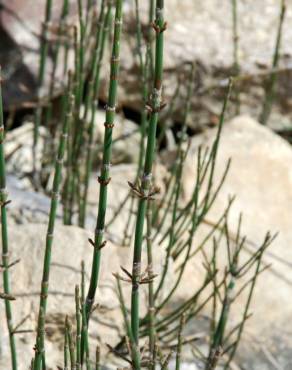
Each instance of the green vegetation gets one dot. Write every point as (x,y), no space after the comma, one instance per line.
(150,221)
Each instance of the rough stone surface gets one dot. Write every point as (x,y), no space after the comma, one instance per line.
(27,205)
(20,28)
(199,31)
(125,135)
(70,247)
(18,149)
(261,178)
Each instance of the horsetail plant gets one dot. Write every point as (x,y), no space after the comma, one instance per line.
(67,116)
(271,83)
(145,67)
(179,343)
(234,271)
(4,237)
(62,32)
(145,191)
(93,90)
(236,68)
(134,350)
(104,177)
(181,155)
(78,327)
(41,78)
(151,307)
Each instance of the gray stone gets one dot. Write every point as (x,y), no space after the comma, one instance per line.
(70,247)
(261,179)
(199,31)
(18,149)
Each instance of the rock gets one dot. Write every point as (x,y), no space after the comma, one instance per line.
(27,205)
(261,179)
(126,138)
(118,191)
(20,26)
(18,149)
(70,247)
(212,50)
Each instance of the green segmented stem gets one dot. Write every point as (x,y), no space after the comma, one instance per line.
(41,76)
(151,308)
(271,83)
(93,90)
(97,358)
(236,68)
(4,237)
(172,228)
(107,154)
(66,350)
(134,349)
(70,344)
(179,343)
(61,31)
(50,231)
(93,84)
(78,327)
(48,147)
(156,102)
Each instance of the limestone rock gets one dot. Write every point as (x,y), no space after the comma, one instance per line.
(261,179)
(126,138)
(27,205)
(20,28)
(18,149)
(118,191)
(70,247)
(199,31)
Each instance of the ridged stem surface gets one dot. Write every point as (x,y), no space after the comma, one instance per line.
(145,188)
(39,350)
(104,177)
(4,238)
(43,57)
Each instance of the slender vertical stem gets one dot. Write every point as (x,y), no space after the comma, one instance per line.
(41,76)
(51,225)
(78,328)
(97,358)
(93,90)
(82,282)
(151,307)
(152,7)
(85,338)
(71,344)
(48,146)
(181,156)
(145,188)
(134,349)
(179,343)
(104,178)
(246,309)
(4,237)
(39,340)
(235,51)
(144,75)
(172,228)
(271,83)
(213,359)
(66,351)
